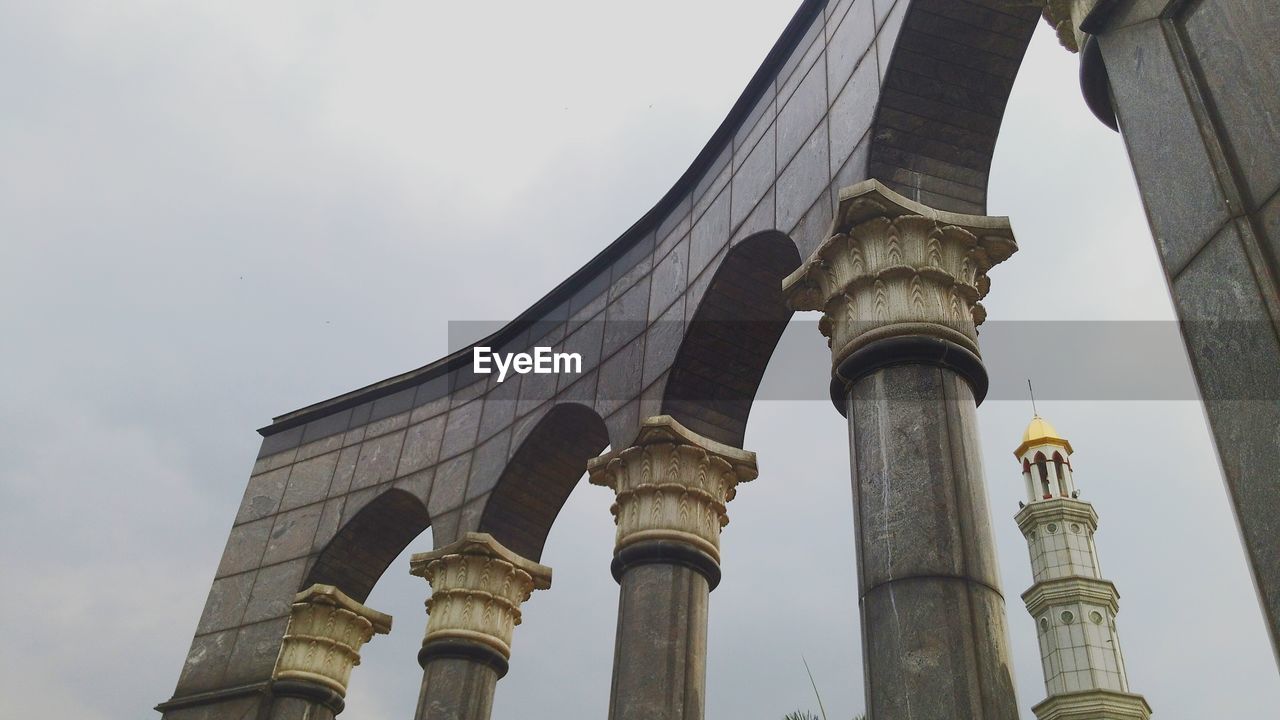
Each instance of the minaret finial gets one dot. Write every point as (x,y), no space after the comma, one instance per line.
(1033,398)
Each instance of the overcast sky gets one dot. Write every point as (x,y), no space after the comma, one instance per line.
(212,214)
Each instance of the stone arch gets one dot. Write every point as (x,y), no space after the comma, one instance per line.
(943,97)
(363,549)
(730,339)
(541,473)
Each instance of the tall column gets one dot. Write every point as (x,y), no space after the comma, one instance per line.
(477,588)
(898,284)
(321,644)
(672,486)
(1192,76)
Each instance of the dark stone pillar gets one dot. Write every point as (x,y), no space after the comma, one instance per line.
(1191,86)
(456,687)
(899,284)
(477,588)
(672,488)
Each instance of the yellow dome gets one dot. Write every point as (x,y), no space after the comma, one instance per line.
(1040,432)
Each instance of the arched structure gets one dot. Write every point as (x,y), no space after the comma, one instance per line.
(680,314)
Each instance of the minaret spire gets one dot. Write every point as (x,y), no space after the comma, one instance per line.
(1074,607)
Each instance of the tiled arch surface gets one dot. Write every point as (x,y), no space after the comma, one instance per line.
(910,92)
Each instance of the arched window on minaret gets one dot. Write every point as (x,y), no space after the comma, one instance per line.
(1026,478)
(1062,479)
(1043,471)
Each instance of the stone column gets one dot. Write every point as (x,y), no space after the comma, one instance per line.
(898,284)
(672,486)
(321,644)
(477,588)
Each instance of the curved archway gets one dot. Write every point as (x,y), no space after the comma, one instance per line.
(540,475)
(731,338)
(933,140)
(363,549)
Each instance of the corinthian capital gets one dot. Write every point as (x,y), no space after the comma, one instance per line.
(323,640)
(893,266)
(477,588)
(672,484)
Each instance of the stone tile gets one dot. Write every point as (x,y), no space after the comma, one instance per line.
(281,442)
(882,10)
(663,342)
(345,470)
(762,218)
(469,518)
(801,114)
(626,317)
(620,378)
(330,523)
(804,180)
(460,431)
(206,662)
(709,187)
(698,287)
(419,484)
(800,62)
(525,425)
(754,179)
(271,462)
(586,341)
(850,42)
(710,234)
(273,591)
(674,228)
(466,386)
(262,495)
(245,547)
(590,299)
(490,461)
(309,481)
(444,528)
(651,397)
(669,278)
(1235,49)
(581,390)
(450,485)
(421,445)
(1269,225)
(326,426)
(293,534)
(356,501)
(354,437)
(396,403)
(255,652)
(887,37)
(624,424)
(378,459)
(852,113)
(225,606)
(853,171)
(360,414)
(500,405)
(755,126)
(320,447)
(377,428)
(537,389)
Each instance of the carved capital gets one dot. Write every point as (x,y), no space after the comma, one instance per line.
(477,588)
(1066,17)
(323,639)
(893,266)
(672,484)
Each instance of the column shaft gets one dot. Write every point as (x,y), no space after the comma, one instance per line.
(933,617)
(672,487)
(659,666)
(455,688)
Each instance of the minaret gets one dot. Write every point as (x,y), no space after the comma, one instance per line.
(1073,606)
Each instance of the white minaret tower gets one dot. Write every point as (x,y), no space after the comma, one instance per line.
(1073,606)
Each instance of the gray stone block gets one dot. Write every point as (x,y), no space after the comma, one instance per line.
(225,606)
(421,445)
(273,591)
(753,179)
(804,180)
(293,534)
(378,459)
(798,118)
(670,276)
(309,481)
(245,547)
(256,649)
(263,494)
(850,42)
(206,662)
